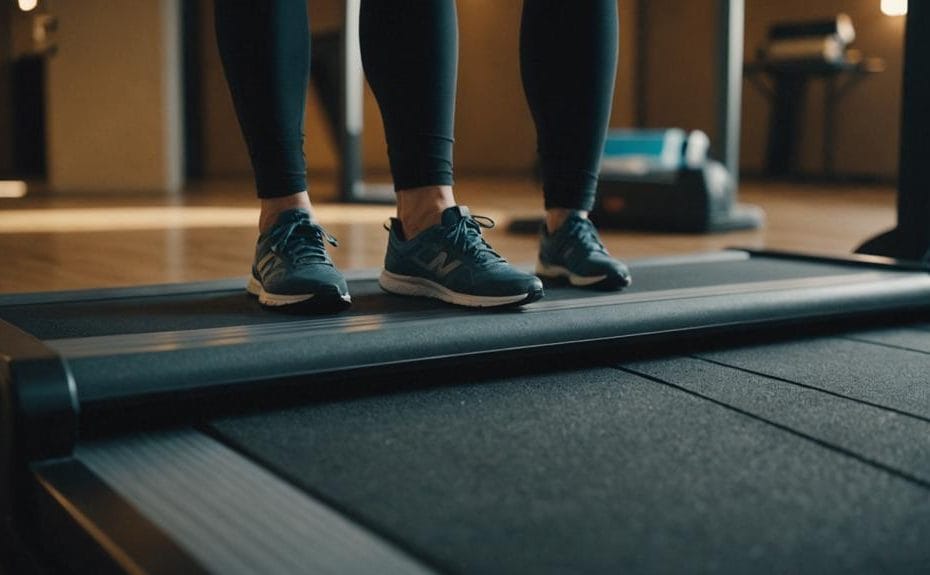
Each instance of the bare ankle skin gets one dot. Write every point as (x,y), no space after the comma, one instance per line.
(555,217)
(272,208)
(421,208)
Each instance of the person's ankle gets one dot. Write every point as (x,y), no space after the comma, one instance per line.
(421,208)
(271,208)
(555,217)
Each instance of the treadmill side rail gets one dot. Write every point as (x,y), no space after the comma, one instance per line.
(865,260)
(38,407)
(91,528)
(166,354)
(178,501)
(172,367)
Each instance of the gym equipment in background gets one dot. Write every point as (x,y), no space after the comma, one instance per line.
(663,180)
(816,40)
(794,54)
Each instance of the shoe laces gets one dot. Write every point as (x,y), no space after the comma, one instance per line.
(301,241)
(583,229)
(465,236)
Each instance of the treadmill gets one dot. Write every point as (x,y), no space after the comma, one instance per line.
(735,411)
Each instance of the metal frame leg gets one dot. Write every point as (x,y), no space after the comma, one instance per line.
(352,186)
(911,238)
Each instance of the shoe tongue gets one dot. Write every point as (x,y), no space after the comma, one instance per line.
(451,216)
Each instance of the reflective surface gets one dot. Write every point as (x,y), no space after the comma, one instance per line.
(52,242)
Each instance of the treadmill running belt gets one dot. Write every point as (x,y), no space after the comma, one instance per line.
(594,471)
(123,313)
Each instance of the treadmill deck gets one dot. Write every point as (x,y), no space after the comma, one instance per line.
(126,345)
(804,455)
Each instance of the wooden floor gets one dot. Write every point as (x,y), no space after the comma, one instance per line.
(52,242)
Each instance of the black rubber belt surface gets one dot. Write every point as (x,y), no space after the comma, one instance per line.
(223,308)
(865,393)
(891,377)
(594,471)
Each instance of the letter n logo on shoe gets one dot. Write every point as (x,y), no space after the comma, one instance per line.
(441,266)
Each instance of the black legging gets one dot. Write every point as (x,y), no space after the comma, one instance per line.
(568,58)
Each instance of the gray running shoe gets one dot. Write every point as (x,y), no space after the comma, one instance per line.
(452,262)
(575,253)
(292,269)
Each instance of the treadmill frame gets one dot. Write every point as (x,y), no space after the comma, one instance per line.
(50,489)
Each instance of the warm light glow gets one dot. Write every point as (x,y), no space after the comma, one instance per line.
(894,7)
(12,189)
(27,5)
(58,220)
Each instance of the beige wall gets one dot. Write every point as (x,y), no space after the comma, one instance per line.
(678,73)
(494,131)
(113,96)
(680,81)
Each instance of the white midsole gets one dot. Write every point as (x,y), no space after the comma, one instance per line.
(551,271)
(255,288)
(411,285)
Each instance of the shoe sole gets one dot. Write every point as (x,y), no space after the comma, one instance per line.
(553,272)
(329,300)
(422,287)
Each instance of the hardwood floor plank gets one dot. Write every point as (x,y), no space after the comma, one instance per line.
(51,242)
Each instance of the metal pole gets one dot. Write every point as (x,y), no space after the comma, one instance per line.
(352,100)
(354,187)
(731,16)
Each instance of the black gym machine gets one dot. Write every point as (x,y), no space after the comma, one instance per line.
(910,239)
